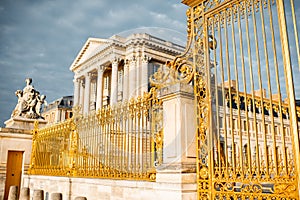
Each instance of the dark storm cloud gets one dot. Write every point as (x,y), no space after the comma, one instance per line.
(40,39)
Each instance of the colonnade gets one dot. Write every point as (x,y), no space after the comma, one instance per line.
(132,82)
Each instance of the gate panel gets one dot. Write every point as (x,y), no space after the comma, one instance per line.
(246,57)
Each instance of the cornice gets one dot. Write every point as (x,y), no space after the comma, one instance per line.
(124,47)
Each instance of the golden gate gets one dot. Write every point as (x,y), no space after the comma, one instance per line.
(245,57)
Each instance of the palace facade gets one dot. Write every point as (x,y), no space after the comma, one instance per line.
(58,110)
(107,71)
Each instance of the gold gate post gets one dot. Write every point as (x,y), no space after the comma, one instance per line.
(73,148)
(290,86)
(33,147)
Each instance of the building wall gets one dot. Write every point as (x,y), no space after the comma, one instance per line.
(13,140)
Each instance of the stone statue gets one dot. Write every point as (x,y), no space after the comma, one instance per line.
(30,102)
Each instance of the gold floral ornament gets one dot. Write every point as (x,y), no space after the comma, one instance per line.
(177,71)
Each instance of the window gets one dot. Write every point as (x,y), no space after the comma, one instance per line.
(244,125)
(257,127)
(276,130)
(266,128)
(285,131)
(234,124)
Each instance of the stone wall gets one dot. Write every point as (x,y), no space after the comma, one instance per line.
(13,140)
(173,186)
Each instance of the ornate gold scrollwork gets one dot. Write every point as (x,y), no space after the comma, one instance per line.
(284,188)
(251,188)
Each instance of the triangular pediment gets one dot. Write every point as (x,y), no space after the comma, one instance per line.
(91,47)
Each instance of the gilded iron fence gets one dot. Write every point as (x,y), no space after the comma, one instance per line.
(122,142)
(246,65)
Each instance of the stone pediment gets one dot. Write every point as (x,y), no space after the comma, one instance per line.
(91,47)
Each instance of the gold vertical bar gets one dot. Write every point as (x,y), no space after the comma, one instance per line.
(223,96)
(217,135)
(134,139)
(217,97)
(207,78)
(260,85)
(126,142)
(248,156)
(233,165)
(106,111)
(252,88)
(103,133)
(269,86)
(295,31)
(139,135)
(290,87)
(142,136)
(130,150)
(115,139)
(237,90)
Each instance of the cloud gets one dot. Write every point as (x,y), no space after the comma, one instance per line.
(41,38)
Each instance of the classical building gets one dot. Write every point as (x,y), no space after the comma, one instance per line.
(107,71)
(58,110)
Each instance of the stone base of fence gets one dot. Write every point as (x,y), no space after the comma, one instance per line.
(168,185)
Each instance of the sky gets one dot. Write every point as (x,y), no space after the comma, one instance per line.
(41,38)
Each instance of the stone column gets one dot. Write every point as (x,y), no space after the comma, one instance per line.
(57,116)
(126,80)
(144,81)
(99,87)
(76,91)
(132,77)
(114,82)
(63,115)
(81,93)
(138,73)
(178,168)
(86,105)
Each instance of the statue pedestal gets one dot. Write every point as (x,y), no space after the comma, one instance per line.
(23,123)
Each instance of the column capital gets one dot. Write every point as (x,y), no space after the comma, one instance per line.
(100,68)
(88,75)
(132,59)
(115,61)
(145,58)
(126,62)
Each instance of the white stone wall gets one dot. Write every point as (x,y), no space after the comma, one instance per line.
(168,186)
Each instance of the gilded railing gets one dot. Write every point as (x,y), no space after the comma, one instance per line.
(122,142)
